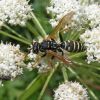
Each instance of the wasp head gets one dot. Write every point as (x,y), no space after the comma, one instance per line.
(35,47)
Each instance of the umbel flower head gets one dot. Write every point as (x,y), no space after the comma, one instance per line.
(91,39)
(11,59)
(14,11)
(84,14)
(59,8)
(70,91)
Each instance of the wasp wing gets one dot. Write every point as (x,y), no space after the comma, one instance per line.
(60,57)
(67,19)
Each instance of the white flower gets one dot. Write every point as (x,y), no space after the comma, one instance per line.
(59,8)
(32,59)
(91,39)
(43,66)
(63,7)
(93,14)
(14,11)
(11,59)
(84,14)
(70,91)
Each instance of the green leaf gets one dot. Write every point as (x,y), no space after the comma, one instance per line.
(35,85)
(47,81)
(14,37)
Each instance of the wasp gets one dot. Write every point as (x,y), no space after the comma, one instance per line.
(70,46)
(50,46)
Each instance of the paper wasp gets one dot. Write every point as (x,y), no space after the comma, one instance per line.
(50,46)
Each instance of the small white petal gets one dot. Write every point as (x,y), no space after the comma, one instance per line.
(14,12)
(91,39)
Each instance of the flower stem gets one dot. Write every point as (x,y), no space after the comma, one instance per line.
(14,32)
(84,2)
(47,81)
(38,25)
(78,55)
(32,29)
(64,73)
(35,85)
(14,37)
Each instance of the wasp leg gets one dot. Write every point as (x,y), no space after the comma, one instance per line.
(53,56)
(53,39)
(45,53)
(60,50)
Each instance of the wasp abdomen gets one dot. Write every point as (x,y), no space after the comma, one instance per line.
(72,46)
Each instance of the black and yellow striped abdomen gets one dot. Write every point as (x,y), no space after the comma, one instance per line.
(72,46)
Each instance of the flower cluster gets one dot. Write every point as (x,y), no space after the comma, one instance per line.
(70,91)
(11,59)
(59,8)
(31,58)
(14,12)
(84,14)
(43,66)
(93,14)
(91,39)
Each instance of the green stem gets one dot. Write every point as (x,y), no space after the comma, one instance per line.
(83,1)
(33,87)
(32,29)
(80,54)
(82,63)
(14,37)
(38,25)
(64,73)
(47,81)
(14,32)
(96,75)
(87,65)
